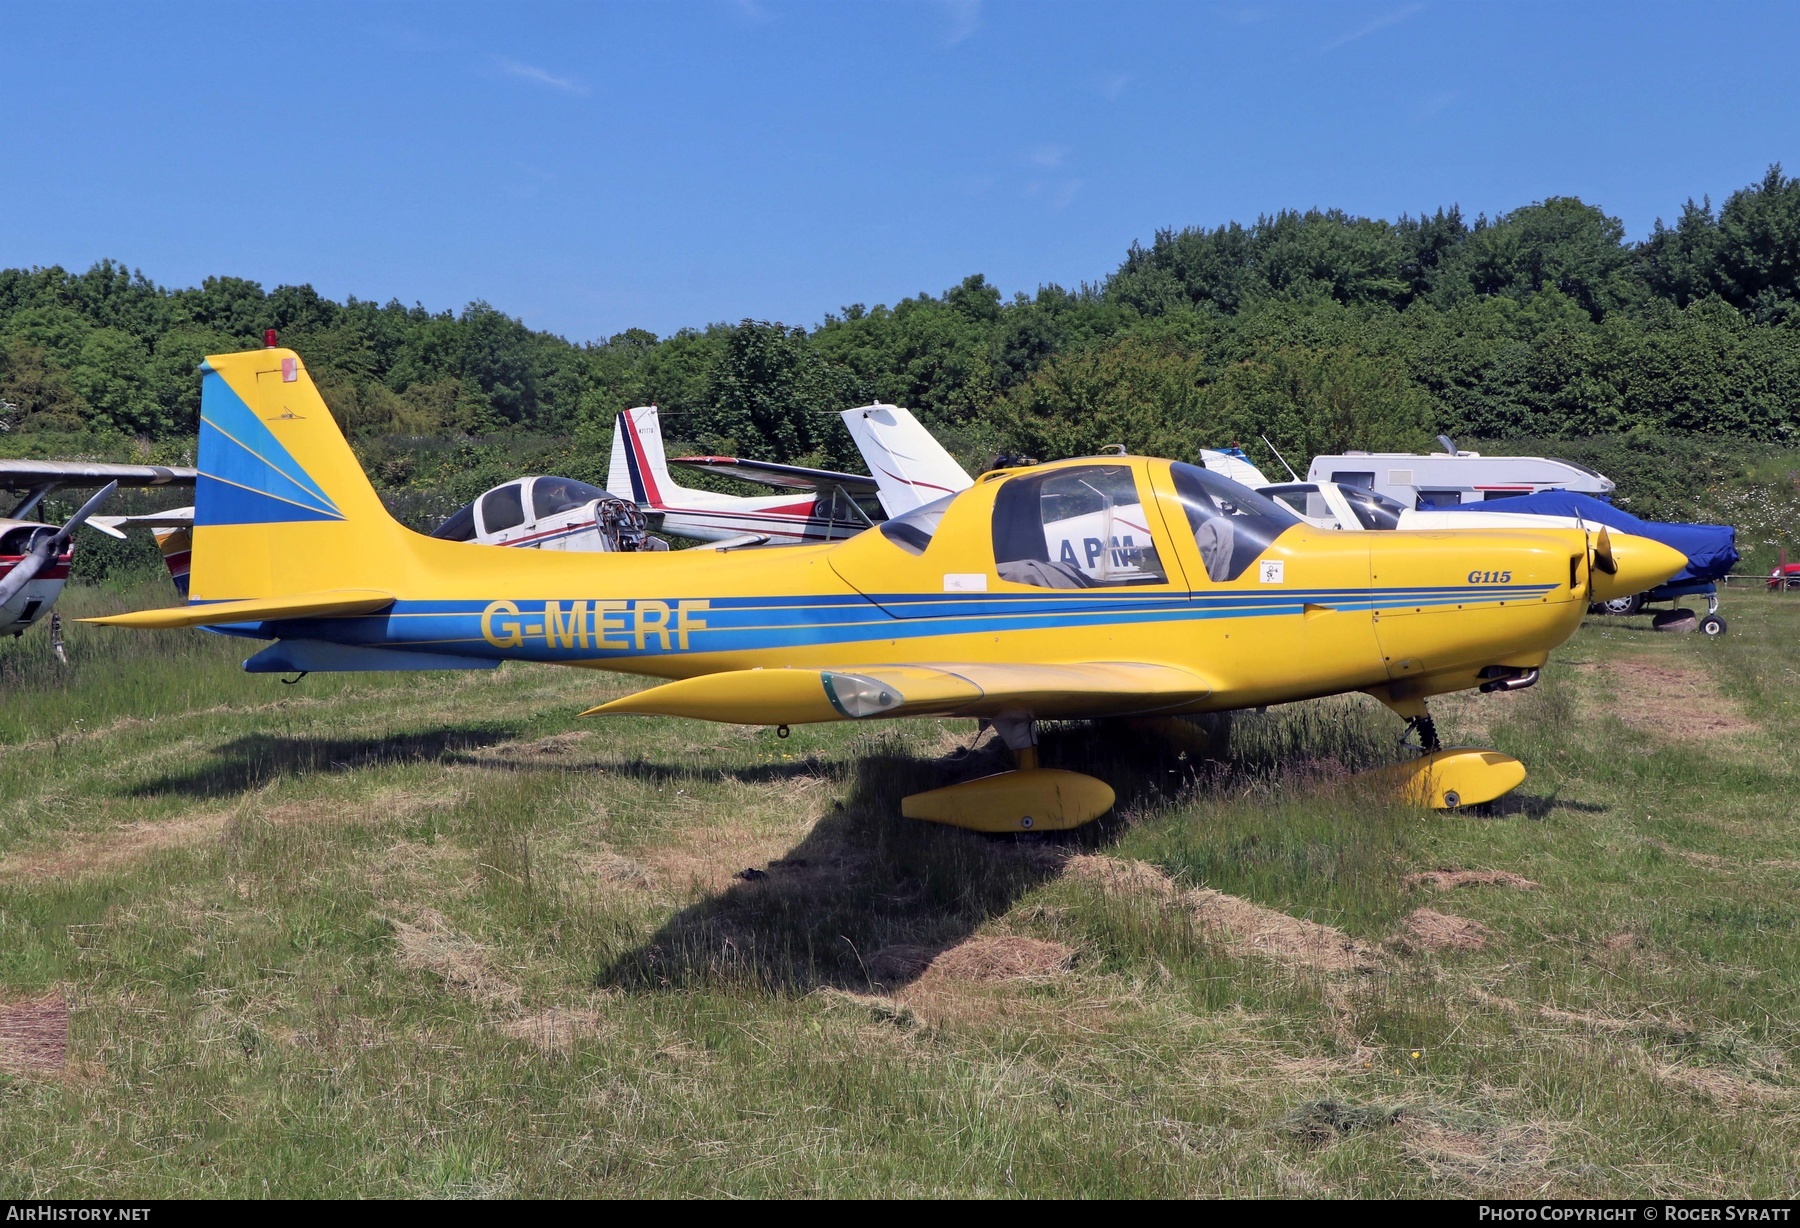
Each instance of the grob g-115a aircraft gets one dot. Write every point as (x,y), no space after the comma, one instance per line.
(1030,595)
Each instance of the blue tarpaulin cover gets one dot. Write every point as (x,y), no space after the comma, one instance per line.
(1711,549)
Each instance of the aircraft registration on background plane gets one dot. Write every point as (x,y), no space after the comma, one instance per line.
(966,606)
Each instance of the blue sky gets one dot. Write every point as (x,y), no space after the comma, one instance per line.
(594,167)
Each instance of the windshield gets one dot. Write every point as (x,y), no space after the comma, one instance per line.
(460,527)
(552,495)
(1373,509)
(914,531)
(1232,524)
(1302,500)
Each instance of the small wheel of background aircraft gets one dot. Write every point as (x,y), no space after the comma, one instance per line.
(35,556)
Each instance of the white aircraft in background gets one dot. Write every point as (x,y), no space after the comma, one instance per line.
(547,512)
(909,469)
(35,556)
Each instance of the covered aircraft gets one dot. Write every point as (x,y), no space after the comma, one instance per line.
(1710,549)
(1029,596)
(34,556)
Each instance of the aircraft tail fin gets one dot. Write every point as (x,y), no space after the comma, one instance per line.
(639,469)
(911,467)
(281,504)
(1232,463)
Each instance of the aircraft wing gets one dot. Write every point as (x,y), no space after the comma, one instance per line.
(796,477)
(25,474)
(802,696)
(336,603)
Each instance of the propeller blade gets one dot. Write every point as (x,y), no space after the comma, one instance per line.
(1603,555)
(87,509)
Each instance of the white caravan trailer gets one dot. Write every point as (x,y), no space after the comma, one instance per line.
(1455,476)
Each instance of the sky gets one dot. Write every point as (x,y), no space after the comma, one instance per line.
(595,167)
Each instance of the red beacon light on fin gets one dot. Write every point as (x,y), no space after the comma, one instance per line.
(268,338)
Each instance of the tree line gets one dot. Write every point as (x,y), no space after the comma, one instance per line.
(1319,329)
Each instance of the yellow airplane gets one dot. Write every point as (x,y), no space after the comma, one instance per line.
(1096,587)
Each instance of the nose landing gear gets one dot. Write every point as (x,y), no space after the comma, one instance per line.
(1445,777)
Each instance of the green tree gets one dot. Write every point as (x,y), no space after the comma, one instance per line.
(776,397)
(111,375)
(1559,242)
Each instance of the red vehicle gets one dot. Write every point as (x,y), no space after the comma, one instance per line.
(1787,575)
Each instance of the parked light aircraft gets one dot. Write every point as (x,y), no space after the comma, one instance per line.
(907,468)
(822,508)
(551,513)
(961,607)
(558,513)
(35,557)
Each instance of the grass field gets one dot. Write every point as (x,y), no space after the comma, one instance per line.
(432,935)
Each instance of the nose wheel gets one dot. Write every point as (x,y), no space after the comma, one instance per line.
(1445,777)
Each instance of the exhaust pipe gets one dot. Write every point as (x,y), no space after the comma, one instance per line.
(1506,678)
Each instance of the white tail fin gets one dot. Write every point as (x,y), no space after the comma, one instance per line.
(911,468)
(1232,463)
(639,471)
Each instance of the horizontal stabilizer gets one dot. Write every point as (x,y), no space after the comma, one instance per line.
(337,603)
(803,696)
(115,526)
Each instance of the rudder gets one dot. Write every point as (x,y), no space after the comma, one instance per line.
(639,470)
(281,504)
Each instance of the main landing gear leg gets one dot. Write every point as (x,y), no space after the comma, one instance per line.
(1029,798)
(1441,777)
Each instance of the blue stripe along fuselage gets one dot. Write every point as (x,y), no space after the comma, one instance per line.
(540,630)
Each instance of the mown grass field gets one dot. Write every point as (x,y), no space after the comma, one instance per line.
(433,935)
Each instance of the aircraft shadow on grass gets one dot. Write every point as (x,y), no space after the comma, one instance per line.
(868,898)
(256,759)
